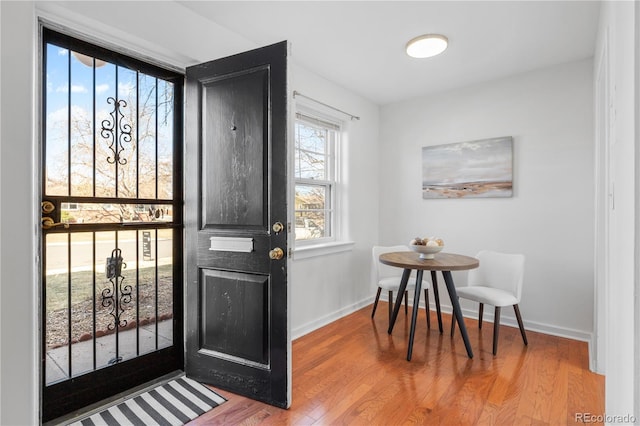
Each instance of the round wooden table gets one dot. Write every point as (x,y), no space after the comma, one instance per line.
(444,262)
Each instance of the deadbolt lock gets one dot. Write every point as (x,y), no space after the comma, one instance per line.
(48,207)
(277,227)
(276,254)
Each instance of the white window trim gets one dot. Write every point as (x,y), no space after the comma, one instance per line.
(308,251)
(337,243)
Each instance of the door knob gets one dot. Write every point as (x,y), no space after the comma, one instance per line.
(276,254)
(48,223)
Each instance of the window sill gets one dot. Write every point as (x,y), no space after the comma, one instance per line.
(306,252)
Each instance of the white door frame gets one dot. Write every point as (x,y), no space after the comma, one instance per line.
(603,204)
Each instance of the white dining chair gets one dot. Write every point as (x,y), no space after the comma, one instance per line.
(497,282)
(388,278)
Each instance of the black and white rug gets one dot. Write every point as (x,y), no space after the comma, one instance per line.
(171,404)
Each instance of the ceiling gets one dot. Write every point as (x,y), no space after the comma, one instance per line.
(360,44)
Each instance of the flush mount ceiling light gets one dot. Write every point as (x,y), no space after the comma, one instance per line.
(88,60)
(426,46)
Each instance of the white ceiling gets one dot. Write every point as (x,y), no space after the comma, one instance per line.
(360,44)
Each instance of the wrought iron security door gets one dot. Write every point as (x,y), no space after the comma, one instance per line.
(111,223)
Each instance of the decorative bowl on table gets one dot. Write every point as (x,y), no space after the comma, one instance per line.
(427,247)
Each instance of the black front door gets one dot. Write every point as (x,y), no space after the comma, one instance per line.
(236,224)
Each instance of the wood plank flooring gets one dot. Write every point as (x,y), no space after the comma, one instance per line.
(352,372)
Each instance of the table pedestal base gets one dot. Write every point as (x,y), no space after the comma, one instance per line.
(416,302)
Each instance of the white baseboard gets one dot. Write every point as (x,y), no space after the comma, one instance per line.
(533,326)
(329,318)
(507,320)
(538,327)
(511,321)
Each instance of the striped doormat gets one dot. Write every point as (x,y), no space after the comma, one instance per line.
(171,404)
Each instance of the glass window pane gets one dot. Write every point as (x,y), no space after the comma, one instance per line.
(310,197)
(311,138)
(165,140)
(87,213)
(147,136)
(81,302)
(57,121)
(127,300)
(105,168)
(156,289)
(105,243)
(107,136)
(126,154)
(164,319)
(311,152)
(310,165)
(81,129)
(56,282)
(310,225)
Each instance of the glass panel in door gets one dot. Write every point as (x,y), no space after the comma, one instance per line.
(111,222)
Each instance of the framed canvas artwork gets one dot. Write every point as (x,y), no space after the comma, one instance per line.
(475,169)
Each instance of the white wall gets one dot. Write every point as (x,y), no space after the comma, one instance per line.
(618,23)
(327,287)
(18,334)
(323,288)
(549,114)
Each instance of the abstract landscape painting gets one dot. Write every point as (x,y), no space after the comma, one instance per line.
(482,168)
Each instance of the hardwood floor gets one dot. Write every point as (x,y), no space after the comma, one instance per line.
(353,372)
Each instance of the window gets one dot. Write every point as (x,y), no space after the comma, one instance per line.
(316,143)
